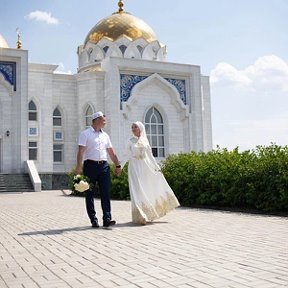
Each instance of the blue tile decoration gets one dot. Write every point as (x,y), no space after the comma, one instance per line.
(127,82)
(33,131)
(8,70)
(180,86)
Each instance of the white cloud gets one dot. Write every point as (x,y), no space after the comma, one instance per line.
(268,72)
(256,114)
(226,74)
(42,16)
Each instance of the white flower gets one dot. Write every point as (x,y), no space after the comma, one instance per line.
(81,186)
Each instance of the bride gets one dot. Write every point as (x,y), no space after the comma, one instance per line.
(151,195)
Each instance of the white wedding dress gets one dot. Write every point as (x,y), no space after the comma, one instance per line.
(151,195)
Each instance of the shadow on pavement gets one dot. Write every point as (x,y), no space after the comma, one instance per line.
(84,228)
(131,224)
(55,231)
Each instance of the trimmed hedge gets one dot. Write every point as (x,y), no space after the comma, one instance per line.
(256,179)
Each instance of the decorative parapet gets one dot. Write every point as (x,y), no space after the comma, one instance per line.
(122,48)
(127,82)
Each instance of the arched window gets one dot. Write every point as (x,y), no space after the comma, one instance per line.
(88,116)
(57,118)
(32,111)
(122,48)
(32,131)
(155,131)
(58,145)
(106,49)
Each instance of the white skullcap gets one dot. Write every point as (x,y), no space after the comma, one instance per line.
(97,114)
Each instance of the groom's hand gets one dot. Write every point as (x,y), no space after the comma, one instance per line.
(118,171)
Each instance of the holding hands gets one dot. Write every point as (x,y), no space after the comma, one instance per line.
(118,170)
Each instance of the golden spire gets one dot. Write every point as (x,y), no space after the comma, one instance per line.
(120,4)
(19,44)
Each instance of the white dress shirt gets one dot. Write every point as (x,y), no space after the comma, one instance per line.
(96,143)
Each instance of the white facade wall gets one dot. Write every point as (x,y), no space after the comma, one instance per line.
(6,149)
(41,92)
(13,101)
(206,112)
(64,98)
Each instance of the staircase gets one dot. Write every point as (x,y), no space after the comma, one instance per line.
(15,183)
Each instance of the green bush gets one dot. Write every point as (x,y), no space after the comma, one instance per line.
(256,179)
(119,184)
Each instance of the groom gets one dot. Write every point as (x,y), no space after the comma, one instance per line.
(94,146)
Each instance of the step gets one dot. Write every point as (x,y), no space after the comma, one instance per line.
(15,183)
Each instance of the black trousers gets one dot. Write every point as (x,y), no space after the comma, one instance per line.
(98,172)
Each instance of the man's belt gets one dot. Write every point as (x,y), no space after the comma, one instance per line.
(97,161)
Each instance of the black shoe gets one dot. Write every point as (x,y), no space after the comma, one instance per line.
(107,223)
(95,224)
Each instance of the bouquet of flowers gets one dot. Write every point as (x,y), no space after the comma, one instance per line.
(81,183)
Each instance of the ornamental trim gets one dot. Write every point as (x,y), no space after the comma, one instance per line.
(127,82)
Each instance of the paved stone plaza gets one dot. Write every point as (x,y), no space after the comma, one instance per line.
(46,241)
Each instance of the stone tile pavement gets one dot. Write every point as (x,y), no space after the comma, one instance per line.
(46,241)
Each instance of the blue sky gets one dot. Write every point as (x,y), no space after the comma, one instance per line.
(241,45)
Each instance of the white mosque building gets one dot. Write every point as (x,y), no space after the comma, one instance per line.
(122,72)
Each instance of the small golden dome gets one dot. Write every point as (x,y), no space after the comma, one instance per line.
(121,24)
(3,43)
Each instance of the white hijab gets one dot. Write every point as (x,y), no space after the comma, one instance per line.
(142,140)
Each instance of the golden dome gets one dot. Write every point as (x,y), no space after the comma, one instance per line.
(3,43)
(121,24)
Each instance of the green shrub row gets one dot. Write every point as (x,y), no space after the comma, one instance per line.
(256,179)
(251,180)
